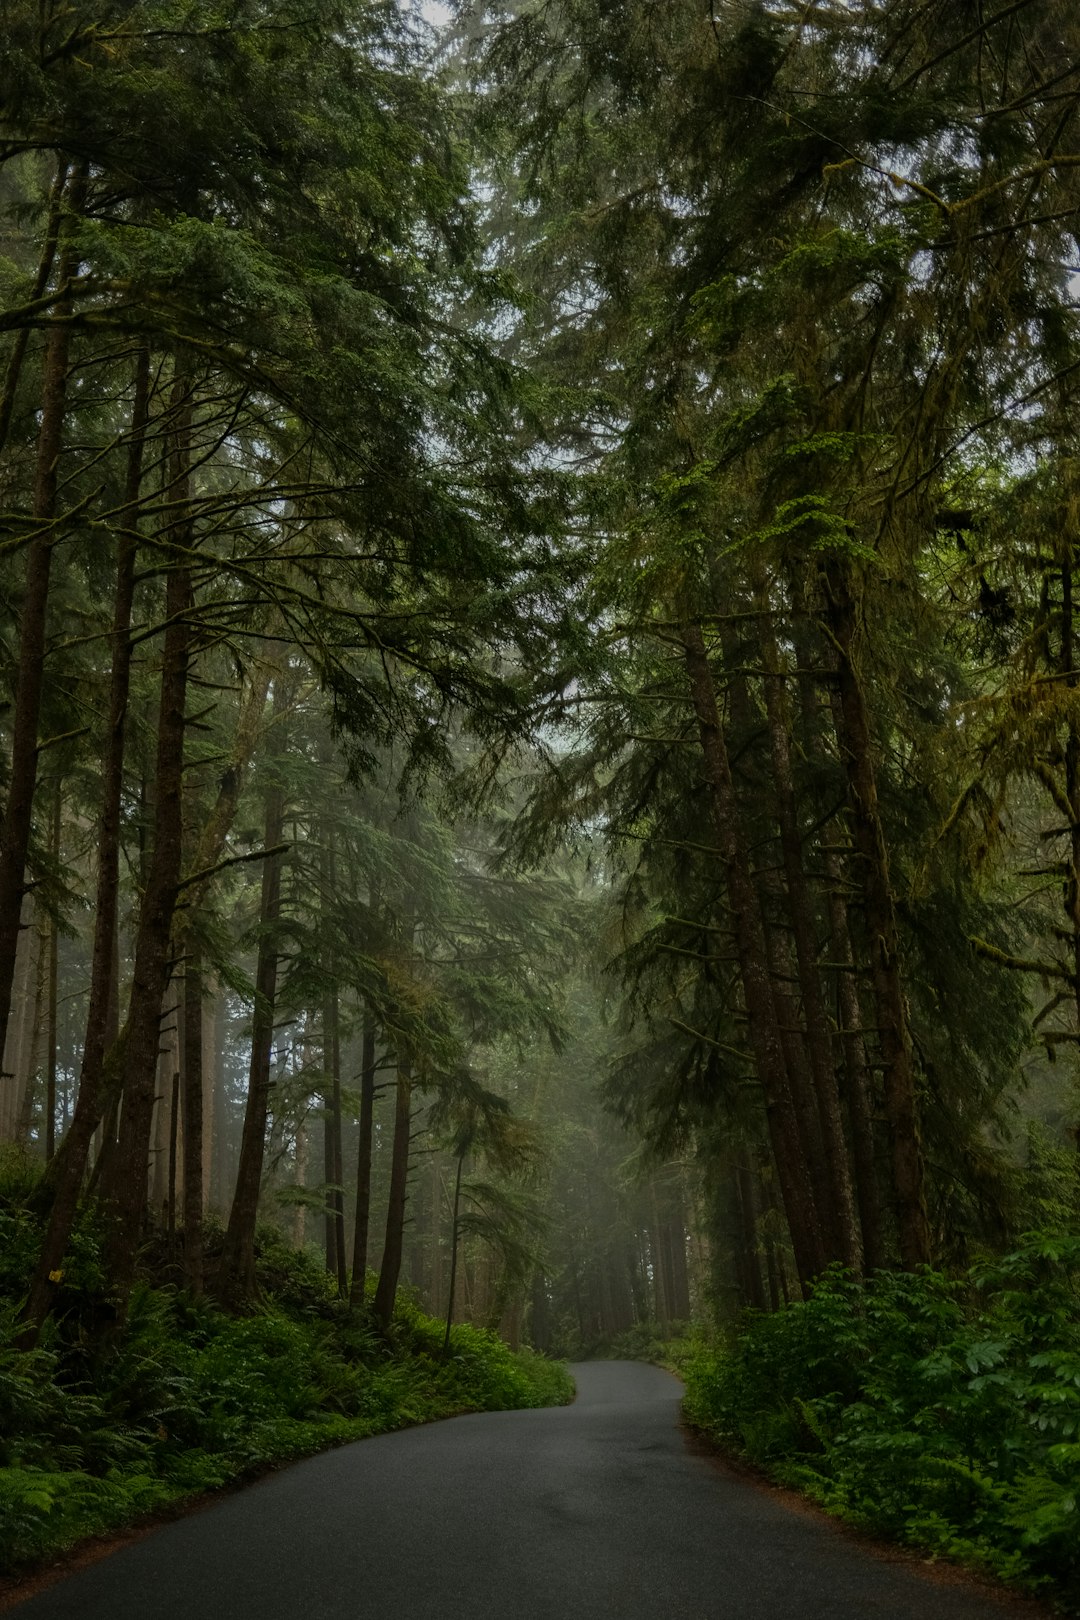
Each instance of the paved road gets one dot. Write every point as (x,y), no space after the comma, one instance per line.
(594,1510)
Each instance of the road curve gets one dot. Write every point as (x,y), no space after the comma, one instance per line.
(593,1510)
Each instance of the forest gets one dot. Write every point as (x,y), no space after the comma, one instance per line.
(540,714)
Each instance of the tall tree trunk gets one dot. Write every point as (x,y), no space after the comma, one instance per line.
(857,1089)
(135,1057)
(173,1150)
(680,1276)
(872,867)
(301,1155)
(659,1257)
(29,676)
(33,1032)
(1072,767)
(363,1163)
(764,1036)
(772,900)
(192,1036)
(64,1181)
(53,983)
(236,1283)
(12,1080)
(746,1239)
(841,1207)
(336,1258)
(221,1179)
(336,1199)
(435,1222)
(168,1066)
(329,1210)
(454,1240)
(390,1267)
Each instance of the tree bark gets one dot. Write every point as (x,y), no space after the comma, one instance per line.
(853,738)
(64,1181)
(174,1144)
(747,1239)
(135,1057)
(845,1235)
(1072,768)
(857,1089)
(329,1210)
(764,1035)
(336,1258)
(192,1036)
(13,1078)
(53,984)
(363,1163)
(336,1199)
(454,1236)
(236,1283)
(390,1268)
(29,677)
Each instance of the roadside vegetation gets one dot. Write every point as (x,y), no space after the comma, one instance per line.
(99,1430)
(941,1411)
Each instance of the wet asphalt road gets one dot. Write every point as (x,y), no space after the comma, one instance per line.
(597,1509)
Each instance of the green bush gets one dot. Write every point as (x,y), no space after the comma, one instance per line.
(944,1412)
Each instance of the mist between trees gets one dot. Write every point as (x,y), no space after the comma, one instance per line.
(542,731)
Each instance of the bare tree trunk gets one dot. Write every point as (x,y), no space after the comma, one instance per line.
(337,1260)
(1072,769)
(68,1168)
(390,1268)
(856,1070)
(32,1033)
(329,1210)
(236,1283)
(680,1276)
(435,1290)
(454,1240)
(193,1119)
(764,1035)
(856,1090)
(363,1163)
(29,678)
(168,1063)
(747,1239)
(335,1199)
(221,1178)
(53,976)
(853,737)
(211,1071)
(299,1212)
(658,1259)
(135,1057)
(841,1207)
(13,1079)
(174,1143)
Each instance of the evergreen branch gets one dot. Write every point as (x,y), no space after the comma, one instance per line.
(1045,970)
(232,860)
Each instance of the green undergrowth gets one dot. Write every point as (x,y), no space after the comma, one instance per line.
(97,1432)
(943,1412)
(664,1345)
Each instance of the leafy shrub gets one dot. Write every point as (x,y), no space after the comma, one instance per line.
(943,1412)
(651,1341)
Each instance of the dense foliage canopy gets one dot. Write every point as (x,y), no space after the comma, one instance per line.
(538,638)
